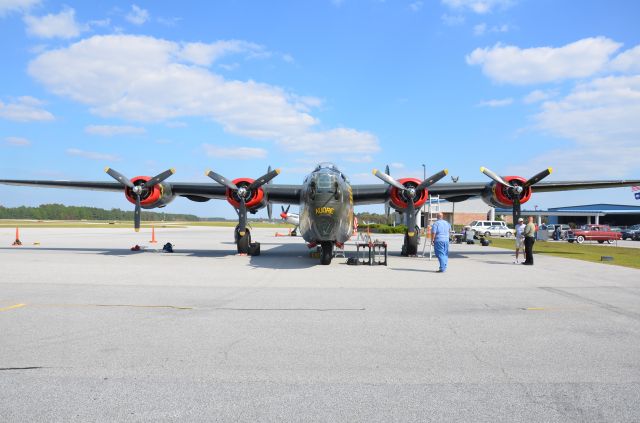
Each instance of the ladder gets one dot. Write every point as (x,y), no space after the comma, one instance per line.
(432,214)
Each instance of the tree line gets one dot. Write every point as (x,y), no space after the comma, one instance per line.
(62,212)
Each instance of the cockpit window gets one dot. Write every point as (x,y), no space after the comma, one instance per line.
(325,182)
(326,165)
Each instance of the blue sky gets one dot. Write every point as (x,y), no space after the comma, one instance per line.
(236,86)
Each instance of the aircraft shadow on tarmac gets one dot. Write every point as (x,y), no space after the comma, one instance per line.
(287,256)
(280,256)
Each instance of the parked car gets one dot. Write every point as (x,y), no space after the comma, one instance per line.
(479,227)
(498,230)
(551,228)
(630,232)
(600,233)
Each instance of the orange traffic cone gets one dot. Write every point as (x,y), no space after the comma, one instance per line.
(153,235)
(17,242)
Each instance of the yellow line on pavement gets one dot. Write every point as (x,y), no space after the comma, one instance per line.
(12,307)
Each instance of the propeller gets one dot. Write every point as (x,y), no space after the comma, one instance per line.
(269,205)
(516,190)
(285,212)
(243,192)
(387,206)
(138,190)
(411,193)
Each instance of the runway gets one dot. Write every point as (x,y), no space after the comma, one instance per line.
(94,332)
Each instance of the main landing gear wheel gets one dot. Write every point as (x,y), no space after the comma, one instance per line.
(243,242)
(410,246)
(327,252)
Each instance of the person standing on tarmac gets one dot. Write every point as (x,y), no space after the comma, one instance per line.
(529,240)
(519,238)
(440,241)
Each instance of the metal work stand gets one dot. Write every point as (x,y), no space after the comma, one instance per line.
(379,253)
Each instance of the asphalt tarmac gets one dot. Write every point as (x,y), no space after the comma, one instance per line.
(91,331)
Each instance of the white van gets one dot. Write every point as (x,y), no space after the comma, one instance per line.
(481,226)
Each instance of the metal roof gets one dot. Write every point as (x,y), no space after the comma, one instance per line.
(584,210)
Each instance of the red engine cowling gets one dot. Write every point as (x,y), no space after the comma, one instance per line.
(158,195)
(253,203)
(397,199)
(498,195)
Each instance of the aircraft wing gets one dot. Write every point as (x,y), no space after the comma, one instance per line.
(379,193)
(197,191)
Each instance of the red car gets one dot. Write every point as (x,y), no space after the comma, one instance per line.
(600,233)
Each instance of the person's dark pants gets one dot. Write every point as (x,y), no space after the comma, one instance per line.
(528,249)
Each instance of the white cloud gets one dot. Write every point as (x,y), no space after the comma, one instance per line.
(452,20)
(204,54)
(483,28)
(359,159)
(397,165)
(141,78)
(480,29)
(241,153)
(339,140)
(627,61)
(111,130)
(25,109)
(601,118)
(416,6)
(8,6)
(62,25)
(537,96)
(478,6)
(496,102)
(513,65)
(17,141)
(138,15)
(92,155)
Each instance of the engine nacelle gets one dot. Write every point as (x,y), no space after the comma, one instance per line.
(498,195)
(253,203)
(158,195)
(397,198)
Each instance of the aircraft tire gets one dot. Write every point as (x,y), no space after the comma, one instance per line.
(327,253)
(410,246)
(243,242)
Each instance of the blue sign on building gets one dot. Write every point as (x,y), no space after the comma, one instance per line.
(637,195)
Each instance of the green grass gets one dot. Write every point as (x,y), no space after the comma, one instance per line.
(627,257)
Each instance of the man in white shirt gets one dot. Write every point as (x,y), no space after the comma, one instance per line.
(519,237)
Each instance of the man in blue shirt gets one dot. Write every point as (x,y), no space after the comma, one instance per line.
(440,241)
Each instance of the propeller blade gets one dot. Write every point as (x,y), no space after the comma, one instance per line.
(387,209)
(538,177)
(263,180)
(411,211)
(494,176)
(386,170)
(242,217)
(270,211)
(287,210)
(432,180)
(388,179)
(136,214)
(159,178)
(221,180)
(119,177)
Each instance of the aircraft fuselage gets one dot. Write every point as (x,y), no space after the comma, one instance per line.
(326,208)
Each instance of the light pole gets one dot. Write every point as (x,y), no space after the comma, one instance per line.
(453,205)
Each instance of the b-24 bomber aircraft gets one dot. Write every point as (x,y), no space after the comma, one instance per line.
(326,198)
